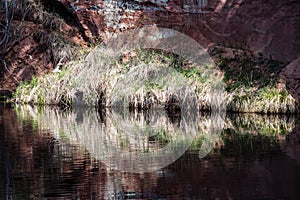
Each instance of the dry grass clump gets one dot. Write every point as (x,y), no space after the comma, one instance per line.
(252,83)
(264,100)
(77,82)
(146,80)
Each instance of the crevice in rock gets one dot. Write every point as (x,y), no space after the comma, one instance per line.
(57,8)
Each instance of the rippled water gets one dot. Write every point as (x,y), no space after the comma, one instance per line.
(46,153)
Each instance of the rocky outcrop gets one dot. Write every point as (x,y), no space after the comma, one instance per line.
(268,27)
(291,76)
(37,42)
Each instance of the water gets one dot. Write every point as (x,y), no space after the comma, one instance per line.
(46,153)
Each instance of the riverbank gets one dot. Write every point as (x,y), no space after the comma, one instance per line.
(240,82)
(244,81)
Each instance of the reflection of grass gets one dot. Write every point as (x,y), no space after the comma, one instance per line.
(25,118)
(144,131)
(34,124)
(242,145)
(197,143)
(162,137)
(245,132)
(252,134)
(261,124)
(248,145)
(124,144)
(62,134)
(158,139)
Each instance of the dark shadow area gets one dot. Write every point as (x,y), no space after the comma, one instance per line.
(57,8)
(244,69)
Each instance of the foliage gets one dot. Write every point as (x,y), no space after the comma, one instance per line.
(252,85)
(151,76)
(264,100)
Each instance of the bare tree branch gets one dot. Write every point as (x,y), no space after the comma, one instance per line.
(9,7)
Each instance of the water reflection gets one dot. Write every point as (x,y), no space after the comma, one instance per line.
(130,141)
(52,154)
(36,165)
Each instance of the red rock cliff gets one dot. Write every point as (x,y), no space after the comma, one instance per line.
(266,26)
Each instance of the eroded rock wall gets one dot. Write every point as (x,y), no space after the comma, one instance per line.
(269,27)
(266,26)
(39,38)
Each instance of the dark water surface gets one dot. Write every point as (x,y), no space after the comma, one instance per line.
(46,153)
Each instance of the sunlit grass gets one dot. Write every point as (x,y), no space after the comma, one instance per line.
(147,78)
(264,100)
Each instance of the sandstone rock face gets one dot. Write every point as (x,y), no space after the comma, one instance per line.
(266,26)
(291,76)
(269,27)
(38,41)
